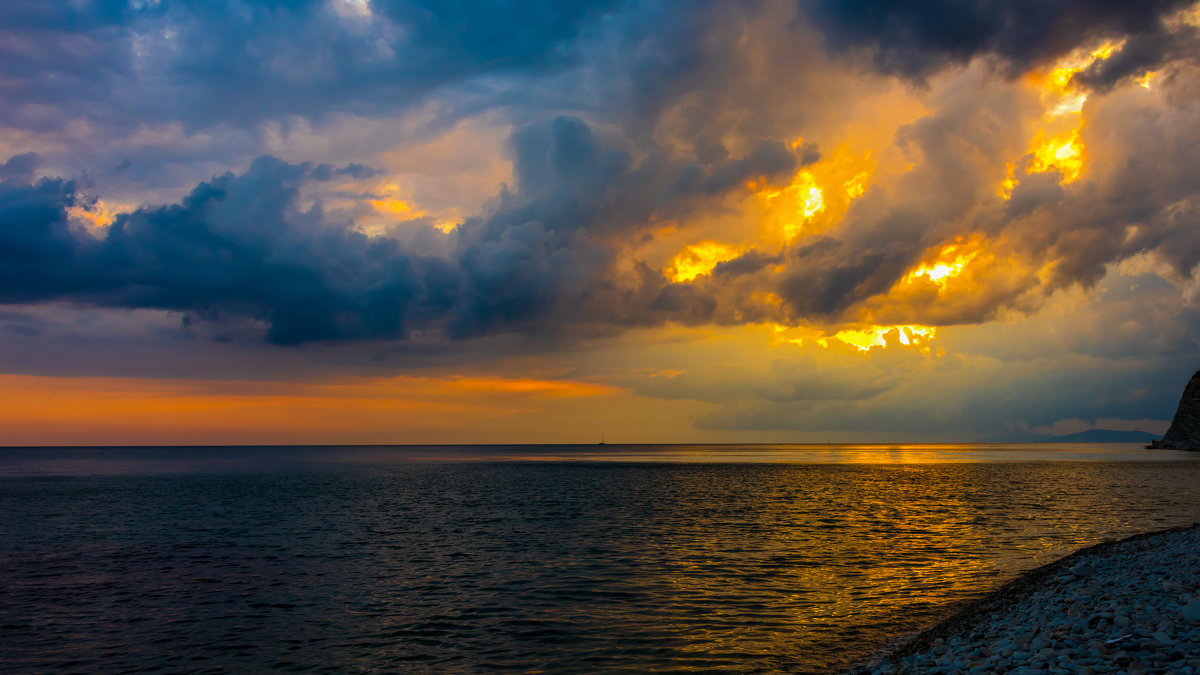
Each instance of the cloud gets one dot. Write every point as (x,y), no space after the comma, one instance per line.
(552,254)
(323,172)
(916,39)
(958,397)
(37,245)
(236,245)
(242,246)
(19,167)
(240,62)
(1147,51)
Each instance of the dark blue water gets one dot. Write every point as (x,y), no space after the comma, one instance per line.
(448,559)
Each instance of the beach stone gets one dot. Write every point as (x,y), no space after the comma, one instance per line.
(1117,615)
(1082,570)
(1191,611)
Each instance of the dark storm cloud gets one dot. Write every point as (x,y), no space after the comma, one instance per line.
(235,246)
(829,275)
(240,246)
(38,250)
(546,256)
(356,171)
(1143,52)
(770,158)
(747,263)
(493,33)
(914,39)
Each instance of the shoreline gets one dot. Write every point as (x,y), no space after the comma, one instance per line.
(960,642)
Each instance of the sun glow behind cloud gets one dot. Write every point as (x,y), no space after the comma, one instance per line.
(949,262)
(862,338)
(1056,145)
(817,196)
(698,260)
(98,214)
(883,336)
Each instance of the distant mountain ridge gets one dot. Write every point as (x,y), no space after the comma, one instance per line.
(1087,436)
(1104,436)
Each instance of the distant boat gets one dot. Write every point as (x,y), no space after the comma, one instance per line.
(602,440)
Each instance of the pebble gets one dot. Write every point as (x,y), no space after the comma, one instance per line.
(1131,606)
(1192,611)
(1082,570)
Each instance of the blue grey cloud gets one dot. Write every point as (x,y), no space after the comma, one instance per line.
(236,245)
(242,61)
(241,247)
(19,167)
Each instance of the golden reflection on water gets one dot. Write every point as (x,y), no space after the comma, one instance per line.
(854,554)
(831,453)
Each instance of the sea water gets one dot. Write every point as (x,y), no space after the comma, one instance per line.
(562,559)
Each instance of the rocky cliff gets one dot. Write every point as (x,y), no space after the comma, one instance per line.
(1184,433)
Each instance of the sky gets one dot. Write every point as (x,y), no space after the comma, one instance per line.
(533,221)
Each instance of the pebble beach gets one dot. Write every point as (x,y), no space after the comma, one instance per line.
(1130,606)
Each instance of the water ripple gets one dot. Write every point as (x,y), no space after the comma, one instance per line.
(565,567)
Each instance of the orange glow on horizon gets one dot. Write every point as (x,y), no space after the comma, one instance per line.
(107,410)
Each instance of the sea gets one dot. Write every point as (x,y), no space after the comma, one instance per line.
(562,559)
